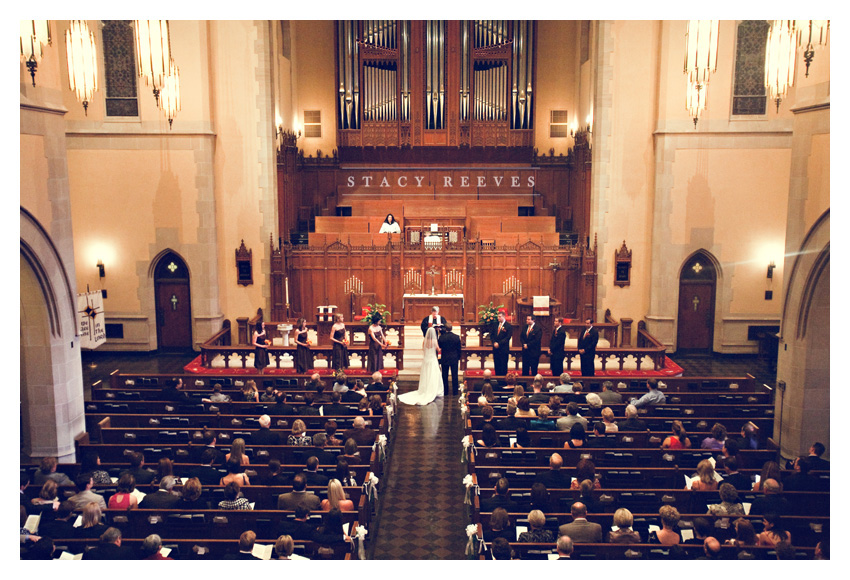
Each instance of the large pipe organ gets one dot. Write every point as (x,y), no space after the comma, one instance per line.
(435,83)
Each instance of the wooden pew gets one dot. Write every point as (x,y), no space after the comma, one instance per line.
(637,386)
(184,548)
(642,552)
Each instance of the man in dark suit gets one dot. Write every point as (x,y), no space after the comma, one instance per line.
(265,436)
(771,502)
(62,526)
(433,320)
(281,407)
(335,407)
(354,394)
(501,337)
(555,478)
(449,345)
(311,472)
(580,530)
(530,338)
(197,451)
(324,457)
(587,348)
(308,408)
(300,528)
(173,391)
(509,422)
(110,548)
(140,474)
(377,385)
(816,462)
(500,499)
(739,480)
(206,473)
(161,499)
(275,477)
(556,348)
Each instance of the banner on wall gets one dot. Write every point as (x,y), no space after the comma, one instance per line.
(91,320)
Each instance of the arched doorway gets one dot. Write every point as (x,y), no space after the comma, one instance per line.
(173,303)
(697,288)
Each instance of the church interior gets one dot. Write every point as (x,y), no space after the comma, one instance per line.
(213,203)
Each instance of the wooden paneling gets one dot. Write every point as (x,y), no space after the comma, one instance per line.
(318,274)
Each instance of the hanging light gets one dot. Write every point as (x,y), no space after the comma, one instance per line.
(701,50)
(153,52)
(780,60)
(34,35)
(811,33)
(695,100)
(700,62)
(170,95)
(82,61)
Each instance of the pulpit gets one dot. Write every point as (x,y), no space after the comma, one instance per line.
(525,307)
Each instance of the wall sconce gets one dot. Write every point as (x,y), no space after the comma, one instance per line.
(770,268)
(101,269)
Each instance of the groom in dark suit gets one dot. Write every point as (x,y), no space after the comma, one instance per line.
(530,339)
(556,348)
(501,336)
(587,348)
(449,344)
(435,320)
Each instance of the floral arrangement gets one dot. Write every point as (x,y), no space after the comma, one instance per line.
(487,313)
(376,313)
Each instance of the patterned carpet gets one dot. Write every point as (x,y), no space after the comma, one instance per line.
(421,513)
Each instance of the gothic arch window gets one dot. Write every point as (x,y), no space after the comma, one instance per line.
(119,64)
(749,96)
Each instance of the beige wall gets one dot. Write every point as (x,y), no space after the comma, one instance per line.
(556,80)
(313,65)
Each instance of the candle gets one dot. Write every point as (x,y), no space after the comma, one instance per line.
(286,280)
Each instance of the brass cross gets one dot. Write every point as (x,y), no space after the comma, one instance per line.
(173,302)
(432,271)
(695,302)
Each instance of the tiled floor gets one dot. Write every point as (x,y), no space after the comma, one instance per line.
(421,514)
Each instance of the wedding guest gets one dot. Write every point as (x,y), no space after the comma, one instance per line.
(299,434)
(237,452)
(624,534)
(336,498)
(124,498)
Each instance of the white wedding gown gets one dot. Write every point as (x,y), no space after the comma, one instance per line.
(430,377)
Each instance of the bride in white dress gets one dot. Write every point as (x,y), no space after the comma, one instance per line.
(430,377)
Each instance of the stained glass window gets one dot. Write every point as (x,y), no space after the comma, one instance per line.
(119,59)
(749,92)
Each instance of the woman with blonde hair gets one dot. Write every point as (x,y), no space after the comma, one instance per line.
(624,534)
(667,536)
(336,498)
(608,420)
(537,532)
(91,526)
(237,452)
(249,392)
(191,496)
(283,547)
(48,494)
(299,436)
(704,480)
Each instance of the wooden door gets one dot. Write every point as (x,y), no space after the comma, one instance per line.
(696,316)
(173,304)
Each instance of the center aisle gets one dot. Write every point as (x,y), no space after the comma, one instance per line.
(422,515)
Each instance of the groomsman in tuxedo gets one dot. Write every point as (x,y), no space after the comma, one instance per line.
(449,344)
(435,320)
(556,348)
(501,336)
(530,338)
(587,348)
